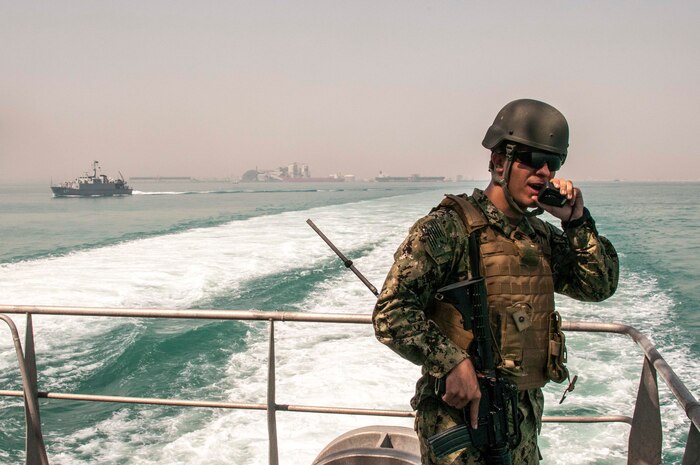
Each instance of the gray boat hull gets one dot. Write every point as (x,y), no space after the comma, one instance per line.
(94,190)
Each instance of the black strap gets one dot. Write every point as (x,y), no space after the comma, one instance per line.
(474,254)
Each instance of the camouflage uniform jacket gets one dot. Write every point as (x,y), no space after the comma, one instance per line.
(435,253)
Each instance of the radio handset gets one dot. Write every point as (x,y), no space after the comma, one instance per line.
(550,195)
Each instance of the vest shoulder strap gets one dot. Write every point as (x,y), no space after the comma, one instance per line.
(471,216)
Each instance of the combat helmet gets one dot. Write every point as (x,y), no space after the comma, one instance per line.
(532,123)
(528,122)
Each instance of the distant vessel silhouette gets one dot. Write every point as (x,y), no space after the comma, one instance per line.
(412,178)
(95,185)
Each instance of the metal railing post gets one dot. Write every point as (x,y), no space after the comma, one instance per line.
(38,454)
(271,403)
(646,436)
(692,447)
(32,447)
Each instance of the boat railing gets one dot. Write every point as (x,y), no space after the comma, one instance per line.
(645,438)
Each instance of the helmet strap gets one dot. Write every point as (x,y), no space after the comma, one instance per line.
(503,182)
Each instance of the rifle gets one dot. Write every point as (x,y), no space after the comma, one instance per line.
(495,436)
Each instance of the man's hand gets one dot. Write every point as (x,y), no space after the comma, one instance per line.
(573,209)
(462,390)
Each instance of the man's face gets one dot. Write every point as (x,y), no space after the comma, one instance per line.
(526,182)
(526,179)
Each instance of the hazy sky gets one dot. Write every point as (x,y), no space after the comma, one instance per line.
(176,88)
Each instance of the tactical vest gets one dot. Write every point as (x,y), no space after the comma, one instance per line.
(529,344)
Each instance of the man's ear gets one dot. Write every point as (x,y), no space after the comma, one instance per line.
(498,162)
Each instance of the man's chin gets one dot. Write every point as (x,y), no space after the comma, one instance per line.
(530,203)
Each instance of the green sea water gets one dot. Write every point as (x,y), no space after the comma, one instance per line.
(225,246)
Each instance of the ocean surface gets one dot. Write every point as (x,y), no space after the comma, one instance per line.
(247,246)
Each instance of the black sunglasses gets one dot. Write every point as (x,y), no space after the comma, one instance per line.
(537,160)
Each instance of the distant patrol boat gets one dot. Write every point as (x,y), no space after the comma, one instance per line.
(92,185)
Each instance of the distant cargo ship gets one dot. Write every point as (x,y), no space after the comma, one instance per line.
(310,179)
(162,178)
(412,178)
(95,185)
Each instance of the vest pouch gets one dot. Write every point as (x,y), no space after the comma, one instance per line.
(556,357)
(515,321)
(450,322)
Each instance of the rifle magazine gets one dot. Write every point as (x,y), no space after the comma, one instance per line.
(449,441)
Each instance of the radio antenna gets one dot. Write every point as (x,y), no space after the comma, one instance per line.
(346,261)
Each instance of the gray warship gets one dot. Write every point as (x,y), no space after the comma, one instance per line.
(94,185)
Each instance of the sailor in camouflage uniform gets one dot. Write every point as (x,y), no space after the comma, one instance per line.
(524,261)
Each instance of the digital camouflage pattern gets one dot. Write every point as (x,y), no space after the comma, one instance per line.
(435,416)
(435,253)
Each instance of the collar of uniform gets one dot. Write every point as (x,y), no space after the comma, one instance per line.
(497,218)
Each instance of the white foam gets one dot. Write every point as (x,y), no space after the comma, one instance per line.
(341,365)
(158,193)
